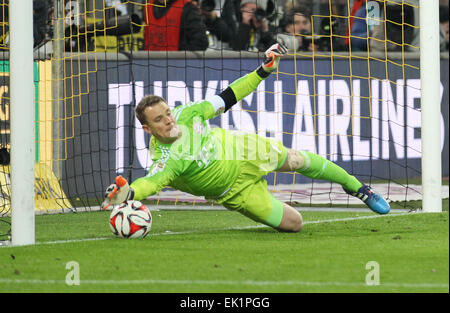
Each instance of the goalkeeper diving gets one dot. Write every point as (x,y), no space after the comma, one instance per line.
(227,166)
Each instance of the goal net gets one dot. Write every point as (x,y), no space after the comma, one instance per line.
(349,89)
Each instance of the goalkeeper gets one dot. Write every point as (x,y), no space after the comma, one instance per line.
(226,166)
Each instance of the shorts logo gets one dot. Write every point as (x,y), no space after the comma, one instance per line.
(275,148)
(158,167)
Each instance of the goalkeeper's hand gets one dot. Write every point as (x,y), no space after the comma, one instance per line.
(273,56)
(117,193)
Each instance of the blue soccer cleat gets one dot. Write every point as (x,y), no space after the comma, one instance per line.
(373,200)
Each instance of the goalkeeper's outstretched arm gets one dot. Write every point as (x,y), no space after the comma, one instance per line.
(245,85)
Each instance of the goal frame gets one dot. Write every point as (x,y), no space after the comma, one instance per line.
(430,106)
(22,122)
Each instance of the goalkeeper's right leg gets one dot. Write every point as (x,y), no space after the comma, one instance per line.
(256,202)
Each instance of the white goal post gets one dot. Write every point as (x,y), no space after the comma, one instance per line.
(22,122)
(430,104)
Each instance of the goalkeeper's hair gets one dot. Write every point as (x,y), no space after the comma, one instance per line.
(147,101)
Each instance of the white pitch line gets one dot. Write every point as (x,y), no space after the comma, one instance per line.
(167,233)
(224,282)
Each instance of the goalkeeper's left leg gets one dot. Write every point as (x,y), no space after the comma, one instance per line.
(317,167)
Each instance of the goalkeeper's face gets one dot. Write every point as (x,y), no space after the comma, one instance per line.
(161,123)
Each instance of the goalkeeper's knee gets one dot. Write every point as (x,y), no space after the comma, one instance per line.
(294,161)
(292,220)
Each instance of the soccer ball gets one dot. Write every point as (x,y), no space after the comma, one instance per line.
(131,219)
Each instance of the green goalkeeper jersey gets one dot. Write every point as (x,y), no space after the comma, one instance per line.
(194,162)
(203,161)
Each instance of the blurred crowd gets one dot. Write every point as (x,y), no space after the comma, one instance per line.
(242,25)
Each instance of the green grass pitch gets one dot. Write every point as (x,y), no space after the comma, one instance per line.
(221,251)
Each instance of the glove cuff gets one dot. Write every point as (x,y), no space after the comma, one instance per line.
(262,72)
